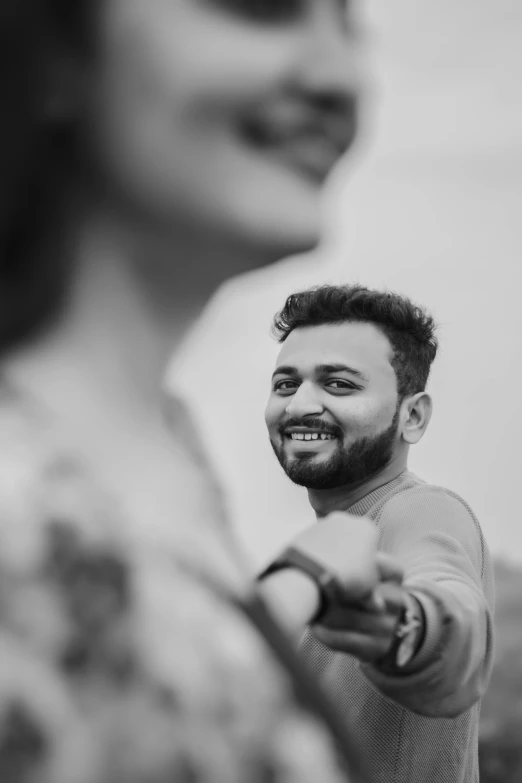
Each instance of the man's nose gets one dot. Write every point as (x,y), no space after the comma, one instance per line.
(305,402)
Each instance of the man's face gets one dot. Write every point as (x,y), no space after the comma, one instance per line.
(332,415)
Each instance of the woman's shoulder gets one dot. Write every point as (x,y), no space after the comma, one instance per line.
(45,486)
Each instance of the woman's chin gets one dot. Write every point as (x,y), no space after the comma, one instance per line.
(281,241)
(278,227)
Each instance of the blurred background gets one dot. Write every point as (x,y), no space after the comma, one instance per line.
(430,208)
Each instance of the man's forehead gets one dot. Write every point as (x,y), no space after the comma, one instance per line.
(357,344)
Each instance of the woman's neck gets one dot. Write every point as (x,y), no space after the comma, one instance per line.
(128,309)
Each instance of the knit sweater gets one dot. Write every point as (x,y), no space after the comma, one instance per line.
(421,726)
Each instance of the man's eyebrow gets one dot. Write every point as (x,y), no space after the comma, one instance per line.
(285,369)
(322,369)
(328,369)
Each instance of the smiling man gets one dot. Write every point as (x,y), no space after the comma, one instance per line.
(405,648)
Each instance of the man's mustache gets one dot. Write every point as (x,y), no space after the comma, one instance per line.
(310,423)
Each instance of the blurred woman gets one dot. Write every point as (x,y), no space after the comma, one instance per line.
(149,149)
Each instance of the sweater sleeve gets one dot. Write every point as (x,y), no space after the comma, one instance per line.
(447,568)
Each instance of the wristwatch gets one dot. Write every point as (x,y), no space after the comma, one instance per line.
(330,589)
(408,634)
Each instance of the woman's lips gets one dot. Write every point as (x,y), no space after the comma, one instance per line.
(312,149)
(313,156)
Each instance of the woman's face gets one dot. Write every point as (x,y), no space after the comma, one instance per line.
(227,115)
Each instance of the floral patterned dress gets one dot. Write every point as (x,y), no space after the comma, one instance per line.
(122,663)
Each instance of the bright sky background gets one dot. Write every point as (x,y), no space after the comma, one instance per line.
(432,210)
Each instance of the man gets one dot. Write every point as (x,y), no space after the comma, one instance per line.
(405,647)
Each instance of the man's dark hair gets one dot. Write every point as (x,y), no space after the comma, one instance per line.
(408,327)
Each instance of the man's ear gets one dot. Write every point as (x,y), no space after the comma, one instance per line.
(416,415)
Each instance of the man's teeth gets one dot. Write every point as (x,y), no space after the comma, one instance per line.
(311,436)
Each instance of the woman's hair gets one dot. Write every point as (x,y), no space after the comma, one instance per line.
(35,157)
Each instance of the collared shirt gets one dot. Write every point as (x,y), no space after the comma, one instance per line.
(421,726)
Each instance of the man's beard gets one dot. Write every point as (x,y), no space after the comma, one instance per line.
(360,461)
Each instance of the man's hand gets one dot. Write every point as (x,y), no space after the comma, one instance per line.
(368,635)
(367,632)
(364,622)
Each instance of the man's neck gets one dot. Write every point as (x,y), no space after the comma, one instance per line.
(325,501)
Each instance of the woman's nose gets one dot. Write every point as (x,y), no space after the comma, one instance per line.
(330,65)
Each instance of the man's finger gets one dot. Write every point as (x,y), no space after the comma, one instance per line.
(356,620)
(390,570)
(362,646)
(393,597)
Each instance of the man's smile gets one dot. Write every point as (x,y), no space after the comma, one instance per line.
(309,436)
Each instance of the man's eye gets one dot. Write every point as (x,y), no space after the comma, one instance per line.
(269,11)
(340,385)
(285,386)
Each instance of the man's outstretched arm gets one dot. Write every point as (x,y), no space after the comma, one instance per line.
(437,542)
(429,538)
